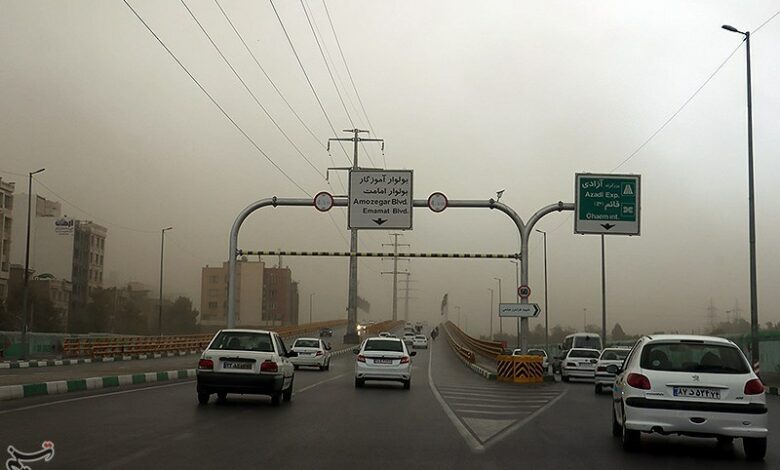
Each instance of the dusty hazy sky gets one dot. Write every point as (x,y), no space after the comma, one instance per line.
(473,96)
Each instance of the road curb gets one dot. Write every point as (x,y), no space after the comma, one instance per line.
(12,392)
(70,362)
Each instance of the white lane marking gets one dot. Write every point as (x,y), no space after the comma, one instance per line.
(486,412)
(43,405)
(489,396)
(480,405)
(522,422)
(464,432)
(309,387)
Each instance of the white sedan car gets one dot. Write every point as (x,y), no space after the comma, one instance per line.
(245,361)
(383,359)
(312,352)
(420,341)
(609,357)
(579,363)
(698,386)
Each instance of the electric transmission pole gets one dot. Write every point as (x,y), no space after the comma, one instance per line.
(395,272)
(351,337)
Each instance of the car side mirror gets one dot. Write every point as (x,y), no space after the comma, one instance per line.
(292,354)
(328,347)
(355,350)
(413,353)
(613,369)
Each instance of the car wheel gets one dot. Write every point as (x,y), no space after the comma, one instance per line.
(565,378)
(327,365)
(203,398)
(725,440)
(597,389)
(222,396)
(287,394)
(407,384)
(754,447)
(617,429)
(629,437)
(359,383)
(276,399)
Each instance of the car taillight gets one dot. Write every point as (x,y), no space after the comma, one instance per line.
(601,368)
(205,364)
(361,358)
(638,381)
(269,366)
(754,387)
(405,360)
(319,353)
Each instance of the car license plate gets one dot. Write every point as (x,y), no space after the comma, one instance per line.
(383,361)
(237,365)
(693,392)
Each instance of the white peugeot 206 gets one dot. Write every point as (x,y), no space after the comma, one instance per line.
(689,385)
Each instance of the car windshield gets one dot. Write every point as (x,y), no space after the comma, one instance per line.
(590,342)
(384,345)
(306,343)
(584,353)
(614,354)
(419,337)
(536,352)
(243,341)
(693,357)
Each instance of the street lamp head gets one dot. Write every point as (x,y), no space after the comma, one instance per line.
(167,228)
(38,171)
(499,194)
(728,27)
(541,231)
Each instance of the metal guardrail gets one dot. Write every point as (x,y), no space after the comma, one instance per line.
(467,354)
(121,345)
(490,349)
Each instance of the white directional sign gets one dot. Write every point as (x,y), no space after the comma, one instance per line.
(380,199)
(519,310)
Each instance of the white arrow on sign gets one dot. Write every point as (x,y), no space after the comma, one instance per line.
(519,310)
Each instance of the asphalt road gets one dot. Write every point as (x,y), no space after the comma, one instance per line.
(455,420)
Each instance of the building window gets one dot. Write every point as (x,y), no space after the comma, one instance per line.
(213,305)
(213,279)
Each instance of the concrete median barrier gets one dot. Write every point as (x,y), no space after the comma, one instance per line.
(11,392)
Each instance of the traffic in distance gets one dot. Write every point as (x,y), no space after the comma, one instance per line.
(664,384)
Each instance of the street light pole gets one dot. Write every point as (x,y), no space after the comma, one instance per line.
(492,312)
(311,298)
(751,207)
(500,320)
(517,293)
(25,288)
(546,313)
(162,258)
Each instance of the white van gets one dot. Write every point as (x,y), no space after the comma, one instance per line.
(576,340)
(581,340)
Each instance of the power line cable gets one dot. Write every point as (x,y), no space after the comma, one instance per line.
(214,101)
(249,90)
(330,73)
(306,75)
(273,84)
(678,111)
(349,74)
(88,214)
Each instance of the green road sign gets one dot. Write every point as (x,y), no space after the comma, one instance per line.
(607,204)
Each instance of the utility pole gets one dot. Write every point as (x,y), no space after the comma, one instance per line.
(406,290)
(311,301)
(395,246)
(351,337)
(162,258)
(712,314)
(603,294)
(25,303)
(500,319)
(492,312)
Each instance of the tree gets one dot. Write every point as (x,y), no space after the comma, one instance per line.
(128,320)
(179,317)
(43,316)
(618,334)
(9,320)
(99,310)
